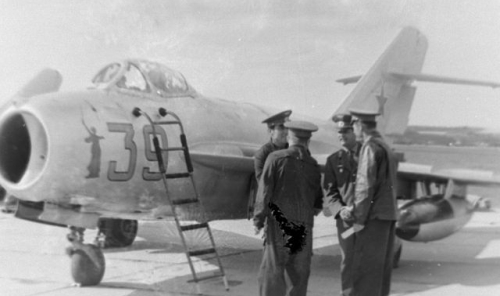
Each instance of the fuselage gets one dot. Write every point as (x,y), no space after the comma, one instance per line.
(88,149)
(87,154)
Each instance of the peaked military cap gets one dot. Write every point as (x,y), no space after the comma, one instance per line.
(278,118)
(344,122)
(364,115)
(301,129)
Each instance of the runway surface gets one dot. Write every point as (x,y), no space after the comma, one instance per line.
(33,261)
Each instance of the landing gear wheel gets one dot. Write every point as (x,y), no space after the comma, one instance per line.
(398,249)
(87,265)
(118,232)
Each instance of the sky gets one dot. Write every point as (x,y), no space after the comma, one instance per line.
(283,54)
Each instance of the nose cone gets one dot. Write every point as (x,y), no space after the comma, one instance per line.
(23,146)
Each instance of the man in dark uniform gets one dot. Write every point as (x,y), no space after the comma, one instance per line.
(374,211)
(277,141)
(338,183)
(277,134)
(291,180)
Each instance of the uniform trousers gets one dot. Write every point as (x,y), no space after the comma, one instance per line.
(281,273)
(372,261)
(347,252)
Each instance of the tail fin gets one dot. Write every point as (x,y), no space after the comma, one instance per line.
(391,95)
(387,85)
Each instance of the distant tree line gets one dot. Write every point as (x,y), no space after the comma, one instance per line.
(447,136)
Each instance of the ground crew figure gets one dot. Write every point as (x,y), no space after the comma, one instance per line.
(291,180)
(338,185)
(277,134)
(375,209)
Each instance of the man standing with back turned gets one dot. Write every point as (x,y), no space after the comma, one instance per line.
(338,183)
(374,211)
(290,182)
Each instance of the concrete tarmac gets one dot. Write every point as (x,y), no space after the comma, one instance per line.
(33,261)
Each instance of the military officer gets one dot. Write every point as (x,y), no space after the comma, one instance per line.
(277,140)
(291,180)
(338,185)
(375,210)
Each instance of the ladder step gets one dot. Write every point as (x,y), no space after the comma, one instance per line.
(217,274)
(194,226)
(173,149)
(184,201)
(166,122)
(177,175)
(201,252)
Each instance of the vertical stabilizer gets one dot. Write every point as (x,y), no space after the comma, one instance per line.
(391,95)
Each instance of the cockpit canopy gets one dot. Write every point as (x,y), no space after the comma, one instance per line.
(143,77)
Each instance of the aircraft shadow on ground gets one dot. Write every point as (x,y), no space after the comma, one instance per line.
(457,259)
(248,262)
(161,237)
(243,258)
(428,273)
(454,260)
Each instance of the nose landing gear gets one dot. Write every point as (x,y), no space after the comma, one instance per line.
(87,260)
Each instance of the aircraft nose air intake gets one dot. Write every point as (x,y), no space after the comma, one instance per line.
(23,146)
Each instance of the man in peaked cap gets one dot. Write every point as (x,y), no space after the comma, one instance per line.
(277,140)
(374,209)
(277,134)
(338,184)
(363,115)
(301,129)
(291,181)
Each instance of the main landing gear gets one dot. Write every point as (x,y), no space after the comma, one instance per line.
(87,260)
(118,233)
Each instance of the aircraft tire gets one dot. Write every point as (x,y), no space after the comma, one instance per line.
(84,270)
(118,233)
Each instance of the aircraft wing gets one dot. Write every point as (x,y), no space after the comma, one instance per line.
(427,173)
(418,172)
(225,156)
(224,162)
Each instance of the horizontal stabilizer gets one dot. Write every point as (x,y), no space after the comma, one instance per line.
(426,78)
(349,80)
(443,79)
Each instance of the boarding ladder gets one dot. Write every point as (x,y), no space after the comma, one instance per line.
(188,250)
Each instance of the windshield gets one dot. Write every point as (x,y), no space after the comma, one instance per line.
(133,79)
(107,74)
(167,82)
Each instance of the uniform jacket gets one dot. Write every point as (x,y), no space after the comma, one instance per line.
(338,183)
(375,192)
(261,156)
(291,179)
